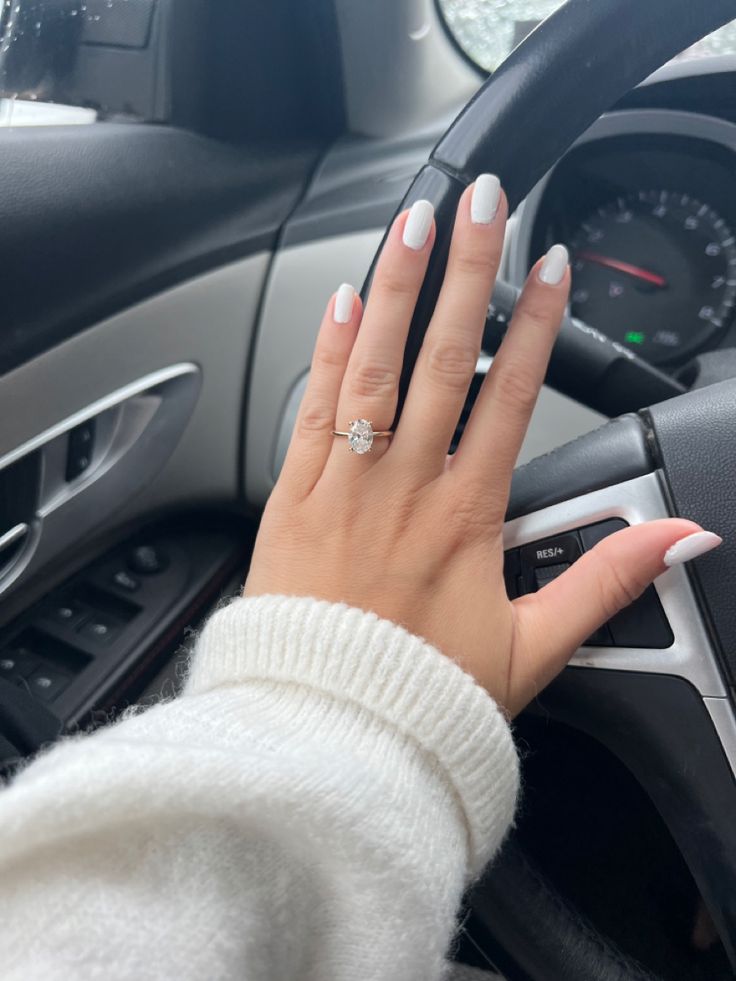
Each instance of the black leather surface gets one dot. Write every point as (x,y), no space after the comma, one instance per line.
(565,945)
(93,218)
(654,724)
(358,186)
(616,452)
(696,435)
(577,64)
(25,723)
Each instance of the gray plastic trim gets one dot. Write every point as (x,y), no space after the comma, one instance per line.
(138,426)
(724,723)
(207,322)
(691,655)
(144,384)
(14,535)
(632,122)
(301,281)
(400,68)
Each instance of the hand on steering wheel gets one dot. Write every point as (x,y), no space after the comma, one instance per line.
(405,531)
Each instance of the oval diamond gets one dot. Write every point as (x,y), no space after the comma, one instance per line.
(360,439)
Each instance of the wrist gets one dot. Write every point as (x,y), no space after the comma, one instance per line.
(401,680)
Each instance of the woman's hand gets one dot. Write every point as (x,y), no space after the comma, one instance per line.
(404,530)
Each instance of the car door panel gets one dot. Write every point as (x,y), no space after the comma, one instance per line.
(95,218)
(199,333)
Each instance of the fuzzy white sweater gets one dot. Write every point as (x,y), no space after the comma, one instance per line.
(309,809)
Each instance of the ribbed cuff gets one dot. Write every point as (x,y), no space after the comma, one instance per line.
(399,678)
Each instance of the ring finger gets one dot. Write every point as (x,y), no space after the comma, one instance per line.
(371,385)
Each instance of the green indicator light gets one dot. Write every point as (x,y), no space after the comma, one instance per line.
(634,337)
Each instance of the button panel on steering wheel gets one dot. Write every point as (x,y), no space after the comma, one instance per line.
(533,566)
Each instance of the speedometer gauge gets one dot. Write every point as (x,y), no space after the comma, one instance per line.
(655,271)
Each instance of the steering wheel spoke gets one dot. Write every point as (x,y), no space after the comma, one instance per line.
(663,633)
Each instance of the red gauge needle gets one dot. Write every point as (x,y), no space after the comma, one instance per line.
(625,267)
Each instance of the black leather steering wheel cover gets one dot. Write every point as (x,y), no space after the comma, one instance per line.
(694,436)
(570,70)
(540,934)
(594,460)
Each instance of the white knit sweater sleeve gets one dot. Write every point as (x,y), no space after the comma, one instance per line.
(310,808)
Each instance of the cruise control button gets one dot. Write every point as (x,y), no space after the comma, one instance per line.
(643,624)
(549,572)
(551,551)
(596,533)
(601,638)
(511,573)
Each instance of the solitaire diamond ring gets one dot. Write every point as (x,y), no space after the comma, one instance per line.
(360,436)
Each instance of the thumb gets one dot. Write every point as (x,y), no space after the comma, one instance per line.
(554,622)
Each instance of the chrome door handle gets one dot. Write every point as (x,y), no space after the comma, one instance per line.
(13,536)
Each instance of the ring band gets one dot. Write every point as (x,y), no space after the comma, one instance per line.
(360,436)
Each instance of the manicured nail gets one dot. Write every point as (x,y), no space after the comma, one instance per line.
(555,263)
(418,225)
(344,300)
(484,202)
(691,547)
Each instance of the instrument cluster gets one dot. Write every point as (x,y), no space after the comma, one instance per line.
(650,221)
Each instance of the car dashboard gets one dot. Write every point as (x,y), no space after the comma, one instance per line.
(645,203)
(644,200)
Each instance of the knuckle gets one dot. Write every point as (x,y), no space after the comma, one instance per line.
(517,388)
(451,364)
(373,380)
(395,285)
(467,514)
(537,315)
(615,591)
(473,262)
(317,418)
(327,358)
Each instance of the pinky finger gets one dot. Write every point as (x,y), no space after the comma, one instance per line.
(312,438)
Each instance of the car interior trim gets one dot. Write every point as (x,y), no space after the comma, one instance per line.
(642,499)
(111,401)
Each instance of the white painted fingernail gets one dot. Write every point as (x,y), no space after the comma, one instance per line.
(485,199)
(691,547)
(344,300)
(555,263)
(418,225)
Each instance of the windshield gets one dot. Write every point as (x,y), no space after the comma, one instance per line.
(487,30)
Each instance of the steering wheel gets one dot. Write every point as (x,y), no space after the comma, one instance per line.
(656,689)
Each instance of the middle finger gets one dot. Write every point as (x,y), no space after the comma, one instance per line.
(449,354)
(370,388)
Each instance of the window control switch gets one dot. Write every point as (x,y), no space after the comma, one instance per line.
(46,683)
(63,613)
(125,580)
(15,664)
(101,629)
